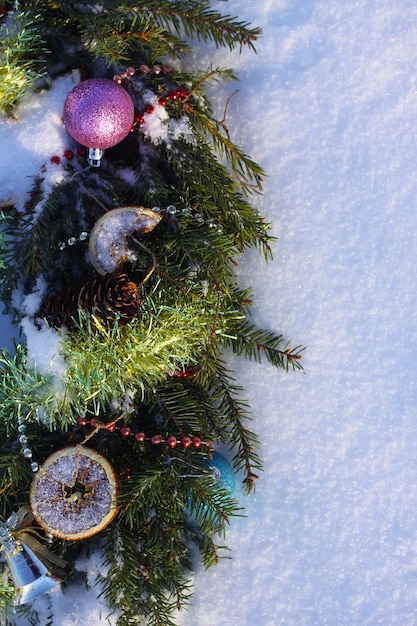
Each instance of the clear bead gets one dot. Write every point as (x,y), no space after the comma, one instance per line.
(83,236)
(23,439)
(72,241)
(171,209)
(198,217)
(34,466)
(22,428)
(157,209)
(210,223)
(27,453)
(219,228)
(185,211)
(62,245)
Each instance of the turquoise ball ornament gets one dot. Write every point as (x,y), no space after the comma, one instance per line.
(222,471)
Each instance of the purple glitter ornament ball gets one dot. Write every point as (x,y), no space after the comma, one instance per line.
(98,113)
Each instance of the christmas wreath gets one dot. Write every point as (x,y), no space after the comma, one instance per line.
(119,269)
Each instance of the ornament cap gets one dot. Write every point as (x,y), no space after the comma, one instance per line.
(94,156)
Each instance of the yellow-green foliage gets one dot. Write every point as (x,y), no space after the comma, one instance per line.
(105,361)
(19,67)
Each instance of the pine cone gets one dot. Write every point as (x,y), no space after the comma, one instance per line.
(105,297)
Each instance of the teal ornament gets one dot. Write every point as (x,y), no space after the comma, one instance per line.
(222,471)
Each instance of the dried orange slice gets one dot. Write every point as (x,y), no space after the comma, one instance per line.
(74,493)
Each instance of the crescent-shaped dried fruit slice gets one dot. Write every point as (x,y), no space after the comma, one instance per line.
(107,246)
(74,493)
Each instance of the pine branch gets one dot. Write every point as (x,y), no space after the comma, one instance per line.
(219,197)
(244,169)
(253,343)
(23,393)
(105,362)
(196,20)
(233,412)
(20,49)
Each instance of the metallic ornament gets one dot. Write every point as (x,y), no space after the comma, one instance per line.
(222,471)
(34,569)
(74,493)
(108,247)
(98,114)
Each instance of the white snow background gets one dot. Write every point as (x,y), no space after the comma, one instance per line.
(328,107)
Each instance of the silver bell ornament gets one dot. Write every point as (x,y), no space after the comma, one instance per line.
(29,561)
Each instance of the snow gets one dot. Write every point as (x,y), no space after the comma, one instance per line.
(328,106)
(23,154)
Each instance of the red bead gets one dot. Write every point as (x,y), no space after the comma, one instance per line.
(186,442)
(144,69)
(56,160)
(110,427)
(149,108)
(118,79)
(130,71)
(81,151)
(94,423)
(172,95)
(68,154)
(171,441)
(156,440)
(196,442)
(81,421)
(125,431)
(140,437)
(125,473)
(162,100)
(182,93)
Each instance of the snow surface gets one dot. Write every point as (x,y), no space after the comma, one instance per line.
(328,106)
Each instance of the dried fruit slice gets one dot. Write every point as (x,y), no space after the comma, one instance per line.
(108,246)
(74,493)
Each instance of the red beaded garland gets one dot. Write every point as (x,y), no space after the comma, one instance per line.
(56,160)
(125,431)
(126,473)
(171,441)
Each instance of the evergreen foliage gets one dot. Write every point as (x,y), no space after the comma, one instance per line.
(20,47)
(133,391)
